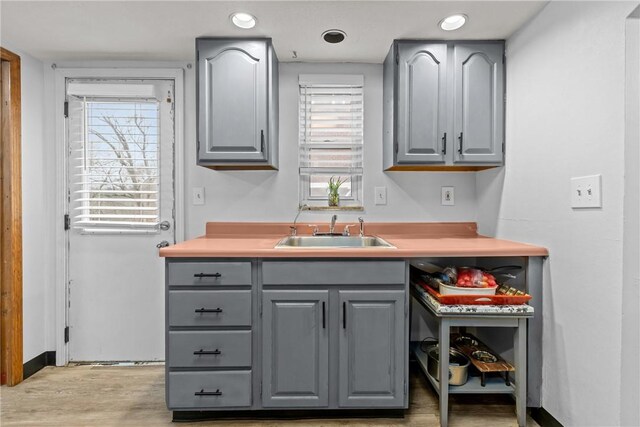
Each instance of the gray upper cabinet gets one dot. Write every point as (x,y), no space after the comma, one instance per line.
(422,90)
(372,349)
(443,105)
(295,349)
(479,102)
(237,103)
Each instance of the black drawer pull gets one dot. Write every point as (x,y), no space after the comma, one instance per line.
(208,310)
(201,275)
(202,352)
(208,393)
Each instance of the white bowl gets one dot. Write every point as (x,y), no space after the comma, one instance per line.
(456,290)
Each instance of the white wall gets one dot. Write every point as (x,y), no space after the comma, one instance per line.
(630,369)
(36,244)
(565,118)
(273,196)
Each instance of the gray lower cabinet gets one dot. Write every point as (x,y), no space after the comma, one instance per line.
(443,105)
(237,103)
(372,348)
(295,348)
(242,335)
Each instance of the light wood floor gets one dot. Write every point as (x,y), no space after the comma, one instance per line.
(134,396)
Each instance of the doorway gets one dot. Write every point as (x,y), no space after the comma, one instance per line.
(10,220)
(120,206)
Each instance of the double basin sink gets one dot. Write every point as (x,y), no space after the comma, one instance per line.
(333,241)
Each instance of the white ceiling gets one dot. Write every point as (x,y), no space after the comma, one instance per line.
(165,30)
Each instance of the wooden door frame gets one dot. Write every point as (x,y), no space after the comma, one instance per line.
(11,238)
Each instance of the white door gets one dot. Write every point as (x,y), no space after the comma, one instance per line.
(121,206)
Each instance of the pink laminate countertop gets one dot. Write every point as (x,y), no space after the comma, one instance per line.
(412,240)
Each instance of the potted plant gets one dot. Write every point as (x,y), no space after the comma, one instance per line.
(334,186)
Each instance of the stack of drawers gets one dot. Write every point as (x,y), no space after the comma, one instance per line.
(208,358)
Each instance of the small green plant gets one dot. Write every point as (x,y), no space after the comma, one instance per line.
(334,186)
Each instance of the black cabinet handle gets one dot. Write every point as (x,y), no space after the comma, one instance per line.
(208,310)
(344,315)
(208,393)
(444,144)
(262,140)
(201,275)
(460,139)
(202,352)
(324,315)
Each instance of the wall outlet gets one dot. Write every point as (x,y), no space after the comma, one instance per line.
(381,195)
(448,196)
(586,192)
(198,196)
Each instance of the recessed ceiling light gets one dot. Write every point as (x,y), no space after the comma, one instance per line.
(334,36)
(243,20)
(453,22)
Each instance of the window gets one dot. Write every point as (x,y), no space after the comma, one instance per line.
(114,163)
(331,138)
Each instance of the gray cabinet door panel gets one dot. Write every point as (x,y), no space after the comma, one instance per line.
(372,349)
(422,102)
(233,389)
(209,273)
(295,349)
(210,349)
(333,272)
(232,94)
(479,103)
(196,308)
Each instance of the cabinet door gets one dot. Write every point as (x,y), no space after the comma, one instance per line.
(422,106)
(232,100)
(295,349)
(372,349)
(479,103)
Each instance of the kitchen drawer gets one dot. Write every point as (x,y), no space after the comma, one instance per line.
(233,389)
(209,273)
(226,348)
(210,308)
(333,272)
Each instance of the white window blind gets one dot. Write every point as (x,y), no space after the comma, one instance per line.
(331,137)
(114,164)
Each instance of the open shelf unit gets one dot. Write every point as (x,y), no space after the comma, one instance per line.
(494,385)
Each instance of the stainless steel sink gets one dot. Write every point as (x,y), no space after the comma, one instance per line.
(333,242)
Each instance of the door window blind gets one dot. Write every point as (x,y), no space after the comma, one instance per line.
(331,137)
(114,164)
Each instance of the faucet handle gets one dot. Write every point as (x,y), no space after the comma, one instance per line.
(346,231)
(293,230)
(315,228)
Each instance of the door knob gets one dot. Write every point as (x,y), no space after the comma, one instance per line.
(165,225)
(162,244)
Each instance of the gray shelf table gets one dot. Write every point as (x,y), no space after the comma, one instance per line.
(511,316)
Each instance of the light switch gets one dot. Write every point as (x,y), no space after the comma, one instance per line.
(447,197)
(381,195)
(198,195)
(586,192)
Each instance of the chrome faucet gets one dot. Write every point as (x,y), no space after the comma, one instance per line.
(292,228)
(332,225)
(361,221)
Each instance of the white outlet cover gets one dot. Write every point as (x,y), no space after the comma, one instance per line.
(586,192)
(381,195)
(198,196)
(447,197)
